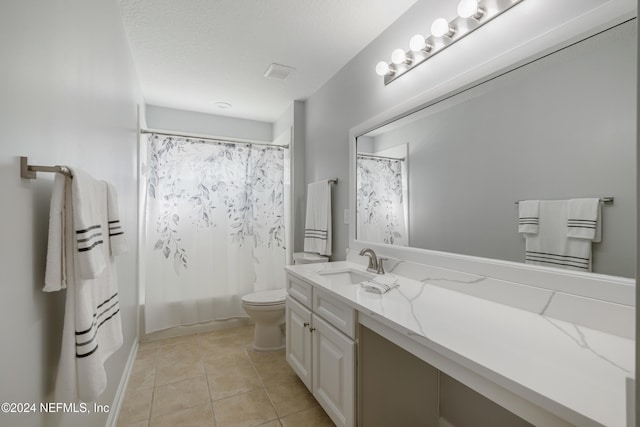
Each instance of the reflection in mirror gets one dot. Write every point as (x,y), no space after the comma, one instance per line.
(560,127)
(381,205)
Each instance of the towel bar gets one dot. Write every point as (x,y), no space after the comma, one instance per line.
(30,171)
(605,200)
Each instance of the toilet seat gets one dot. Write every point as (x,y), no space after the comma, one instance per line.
(265,298)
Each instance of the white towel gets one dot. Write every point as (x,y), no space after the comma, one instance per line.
(117,241)
(528,216)
(380,285)
(583,221)
(317,230)
(55,273)
(551,246)
(89,198)
(92,328)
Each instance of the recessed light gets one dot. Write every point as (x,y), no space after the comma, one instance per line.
(223,105)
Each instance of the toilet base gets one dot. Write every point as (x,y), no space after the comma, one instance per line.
(269,337)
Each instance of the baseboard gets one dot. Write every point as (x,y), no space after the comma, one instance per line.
(112,420)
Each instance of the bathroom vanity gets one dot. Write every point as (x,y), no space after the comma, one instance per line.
(543,357)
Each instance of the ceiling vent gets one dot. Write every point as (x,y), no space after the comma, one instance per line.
(279,72)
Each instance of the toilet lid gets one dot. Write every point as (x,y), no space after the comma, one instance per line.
(274,297)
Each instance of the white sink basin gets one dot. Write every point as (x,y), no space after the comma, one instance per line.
(346,276)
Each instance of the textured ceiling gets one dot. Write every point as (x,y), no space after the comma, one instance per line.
(191,54)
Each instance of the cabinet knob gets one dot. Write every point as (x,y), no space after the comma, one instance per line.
(312,329)
(305,324)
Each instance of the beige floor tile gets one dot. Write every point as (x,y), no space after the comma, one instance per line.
(274,423)
(198,416)
(274,371)
(143,423)
(146,355)
(233,380)
(179,352)
(179,395)
(290,396)
(211,348)
(215,364)
(240,337)
(244,410)
(244,334)
(136,406)
(142,376)
(184,339)
(314,417)
(265,356)
(179,370)
(148,345)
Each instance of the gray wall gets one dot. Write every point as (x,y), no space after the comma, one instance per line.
(561,127)
(207,124)
(68,95)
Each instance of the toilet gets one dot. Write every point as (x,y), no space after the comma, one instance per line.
(267,310)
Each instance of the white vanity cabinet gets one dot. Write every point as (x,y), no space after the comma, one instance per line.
(320,343)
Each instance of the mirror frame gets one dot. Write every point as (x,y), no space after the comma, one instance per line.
(614,289)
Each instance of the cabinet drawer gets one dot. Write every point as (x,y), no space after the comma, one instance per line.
(338,314)
(300,290)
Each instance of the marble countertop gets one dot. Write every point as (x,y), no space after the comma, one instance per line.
(568,369)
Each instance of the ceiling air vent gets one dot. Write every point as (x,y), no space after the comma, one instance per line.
(279,72)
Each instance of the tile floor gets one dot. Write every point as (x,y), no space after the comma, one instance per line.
(216,379)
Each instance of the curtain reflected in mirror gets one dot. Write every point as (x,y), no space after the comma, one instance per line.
(382,197)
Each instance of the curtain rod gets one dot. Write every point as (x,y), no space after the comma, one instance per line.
(380,157)
(222,140)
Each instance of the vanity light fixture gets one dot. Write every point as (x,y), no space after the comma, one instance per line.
(472,14)
(442,28)
(418,43)
(399,56)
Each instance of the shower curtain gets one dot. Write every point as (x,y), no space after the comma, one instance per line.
(214,228)
(380,200)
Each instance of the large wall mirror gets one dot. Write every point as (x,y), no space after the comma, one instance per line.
(447,177)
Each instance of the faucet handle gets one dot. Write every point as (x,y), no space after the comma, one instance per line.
(380,265)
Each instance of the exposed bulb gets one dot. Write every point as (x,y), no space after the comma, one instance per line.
(440,27)
(398,56)
(417,43)
(468,8)
(382,69)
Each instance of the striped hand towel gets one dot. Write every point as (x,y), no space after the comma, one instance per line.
(583,219)
(317,230)
(528,216)
(551,246)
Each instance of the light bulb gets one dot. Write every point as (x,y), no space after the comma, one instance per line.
(382,69)
(417,43)
(398,56)
(467,8)
(440,27)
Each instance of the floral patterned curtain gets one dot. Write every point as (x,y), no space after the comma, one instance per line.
(380,200)
(214,228)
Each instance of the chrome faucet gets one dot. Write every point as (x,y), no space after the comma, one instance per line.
(375,263)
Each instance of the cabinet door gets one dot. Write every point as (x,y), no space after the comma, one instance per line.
(334,372)
(298,340)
